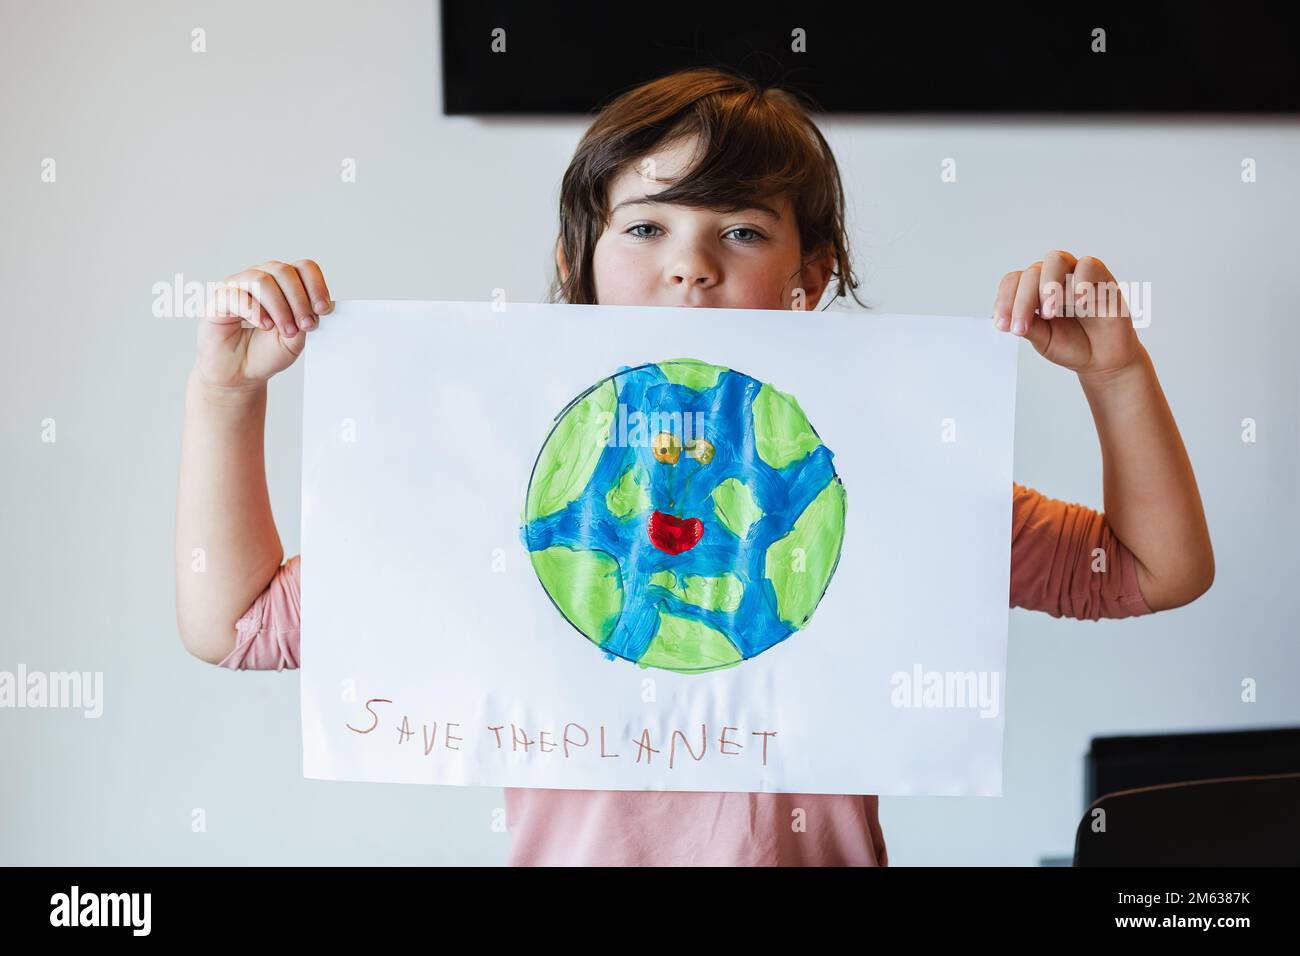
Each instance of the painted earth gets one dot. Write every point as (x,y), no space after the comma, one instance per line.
(684,516)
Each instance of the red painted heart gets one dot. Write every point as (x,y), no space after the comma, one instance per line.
(674,535)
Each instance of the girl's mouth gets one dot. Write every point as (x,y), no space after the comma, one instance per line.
(674,535)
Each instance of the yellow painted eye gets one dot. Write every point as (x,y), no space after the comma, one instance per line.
(666,447)
(701,449)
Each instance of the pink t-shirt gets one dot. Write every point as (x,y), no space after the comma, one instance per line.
(1052,545)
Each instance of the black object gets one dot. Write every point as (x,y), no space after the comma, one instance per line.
(1222,798)
(1130,762)
(1161,56)
(1237,821)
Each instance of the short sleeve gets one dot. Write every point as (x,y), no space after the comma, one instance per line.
(1066,561)
(267,635)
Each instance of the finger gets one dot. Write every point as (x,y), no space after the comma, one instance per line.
(229,300)
(1040,333)
(1002,302)
(1022,310)
(274,352)
(1051,283)
(266,290)
(291,285)
(1097,294)
(313,281)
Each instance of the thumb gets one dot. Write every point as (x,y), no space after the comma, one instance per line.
(1039,333)
(269,352)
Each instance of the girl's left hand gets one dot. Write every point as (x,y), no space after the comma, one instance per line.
(1072,311)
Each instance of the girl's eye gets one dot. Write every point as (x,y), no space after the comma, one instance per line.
(753,237)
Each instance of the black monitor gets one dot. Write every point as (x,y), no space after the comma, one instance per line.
(1127,762)
(1164,56)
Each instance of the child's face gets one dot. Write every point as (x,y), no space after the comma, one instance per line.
(669,254)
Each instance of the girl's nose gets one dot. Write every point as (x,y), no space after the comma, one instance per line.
(693,271)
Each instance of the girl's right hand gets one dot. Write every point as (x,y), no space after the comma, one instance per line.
(280,303)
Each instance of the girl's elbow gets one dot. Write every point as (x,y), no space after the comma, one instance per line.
(1208,577)
(207,646)
(1182,589)
(1204,576)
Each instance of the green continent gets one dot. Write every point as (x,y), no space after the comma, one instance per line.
(585,586)
(722,593)
(781,430)
(691,372)
(735,506)
(689,646)
(571,452)
(629,496)
(666,580)
(800,564)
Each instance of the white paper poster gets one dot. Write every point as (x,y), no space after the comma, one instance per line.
(642,548)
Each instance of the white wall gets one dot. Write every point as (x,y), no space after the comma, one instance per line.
(170,161)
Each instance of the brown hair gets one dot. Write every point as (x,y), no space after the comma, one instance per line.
(756,141)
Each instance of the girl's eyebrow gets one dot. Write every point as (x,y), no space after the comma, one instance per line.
(648,201)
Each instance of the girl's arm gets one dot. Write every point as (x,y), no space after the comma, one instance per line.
(1073,313)
(1152,503)
(227,546)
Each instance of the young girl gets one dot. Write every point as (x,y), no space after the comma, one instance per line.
(701,190)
